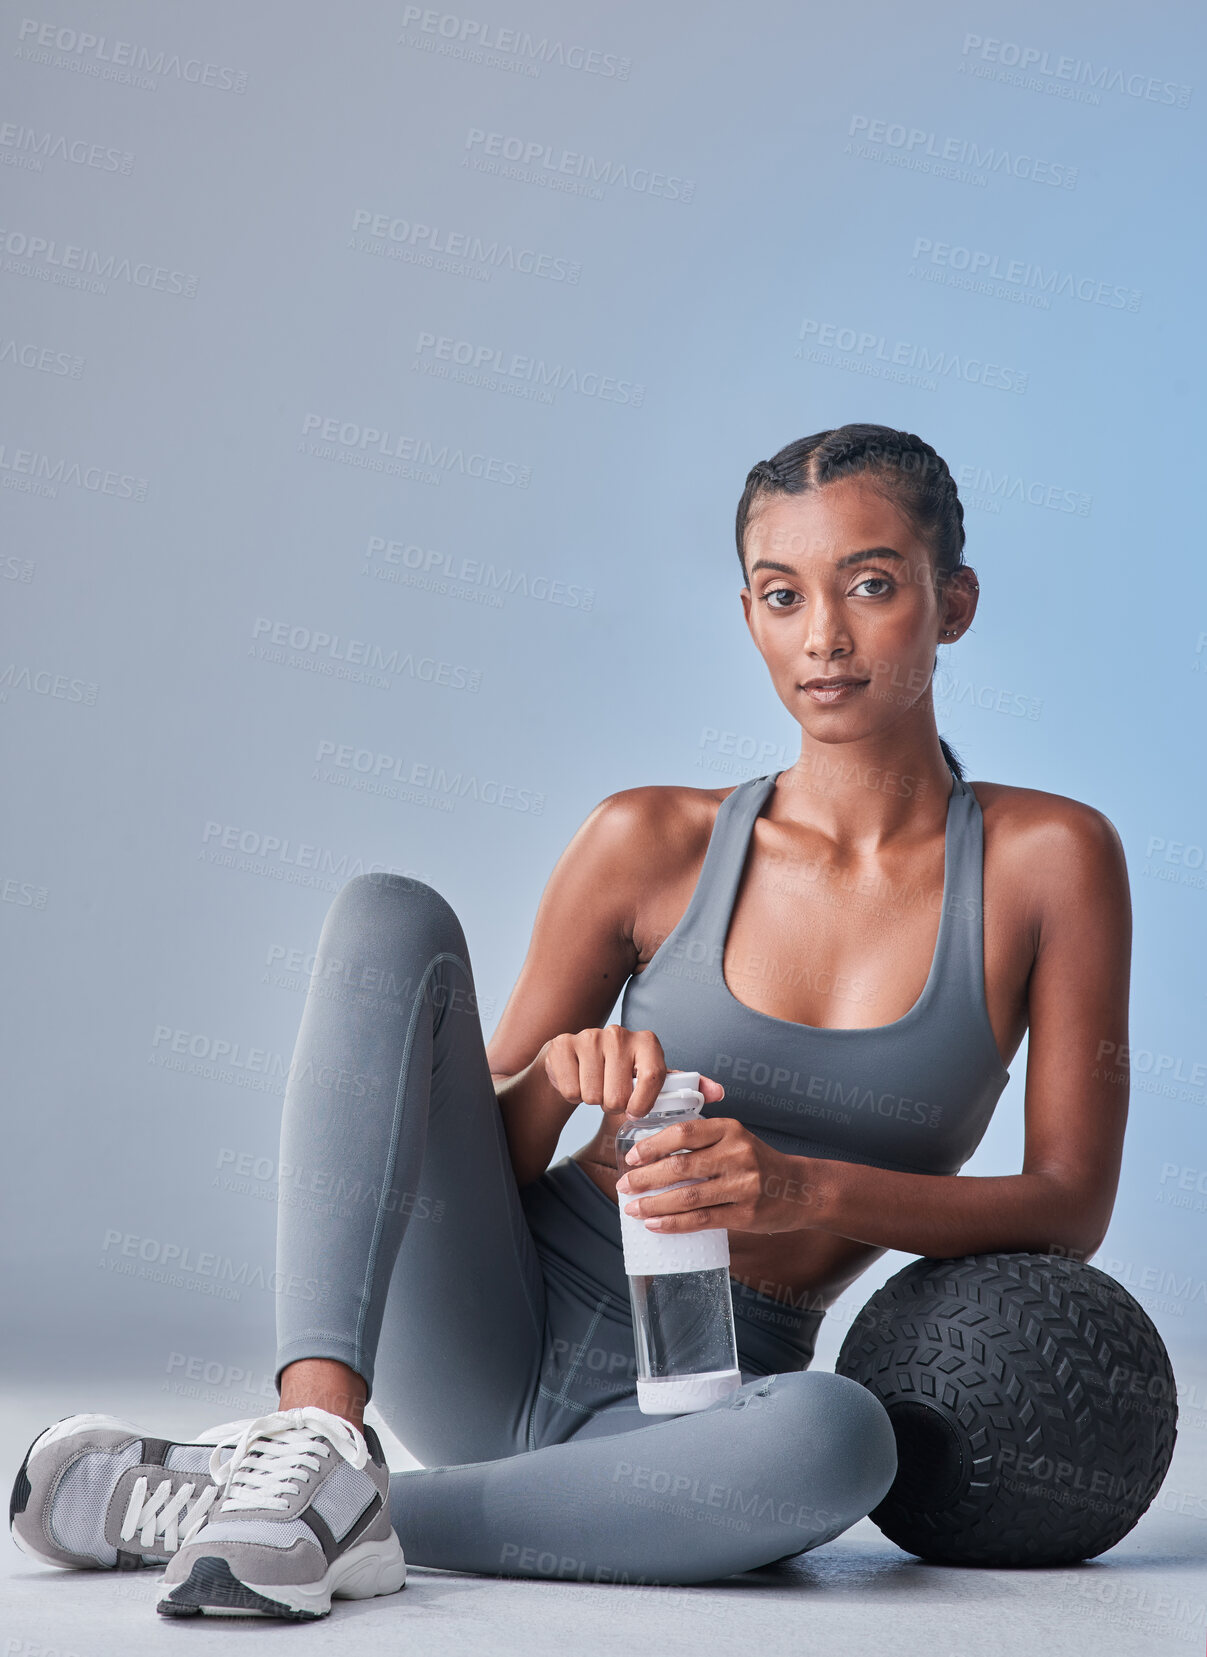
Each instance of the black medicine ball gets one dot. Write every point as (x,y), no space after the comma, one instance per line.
(1033,1402)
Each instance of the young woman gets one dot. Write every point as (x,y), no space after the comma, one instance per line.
(850,950)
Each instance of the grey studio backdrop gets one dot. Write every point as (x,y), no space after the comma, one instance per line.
(378,385)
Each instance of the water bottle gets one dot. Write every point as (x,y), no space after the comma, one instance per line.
(687,1355)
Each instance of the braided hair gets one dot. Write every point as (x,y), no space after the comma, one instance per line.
(896,463)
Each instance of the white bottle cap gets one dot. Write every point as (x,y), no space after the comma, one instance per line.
(680,1084)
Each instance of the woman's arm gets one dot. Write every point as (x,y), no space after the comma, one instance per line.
(580,955)
(1075,1106)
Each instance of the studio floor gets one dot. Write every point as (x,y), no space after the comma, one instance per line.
(859,1595)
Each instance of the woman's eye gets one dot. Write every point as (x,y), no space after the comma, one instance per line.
(779,592)
(784,598)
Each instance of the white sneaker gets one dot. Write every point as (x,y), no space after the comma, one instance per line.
(97,1493)
(302,1515)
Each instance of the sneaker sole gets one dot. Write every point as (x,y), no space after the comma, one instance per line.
(365,1571)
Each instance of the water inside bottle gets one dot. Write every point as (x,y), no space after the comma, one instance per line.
(683,1323)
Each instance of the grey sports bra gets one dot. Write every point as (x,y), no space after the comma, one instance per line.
(915,1095)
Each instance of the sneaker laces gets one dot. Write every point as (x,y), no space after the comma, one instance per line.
(166,1515)
(170,1518)
(275,1454)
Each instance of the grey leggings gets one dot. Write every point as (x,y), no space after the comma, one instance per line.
(491,1324)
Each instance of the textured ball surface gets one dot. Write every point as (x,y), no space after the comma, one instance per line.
(1033,1401)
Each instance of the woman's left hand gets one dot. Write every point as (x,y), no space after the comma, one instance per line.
(741,1183)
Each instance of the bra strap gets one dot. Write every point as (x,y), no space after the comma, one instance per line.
(964,966)
(707,915)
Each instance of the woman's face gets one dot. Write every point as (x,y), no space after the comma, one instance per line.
(841,588)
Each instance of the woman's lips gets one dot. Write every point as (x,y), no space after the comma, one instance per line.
(839,690)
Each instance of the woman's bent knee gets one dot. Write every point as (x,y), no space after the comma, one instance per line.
(378,911)
(839,1434)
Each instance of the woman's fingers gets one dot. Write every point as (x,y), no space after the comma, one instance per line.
(685,1199)
(671,1171)
(616,1046)
(558,1060)
(700,1219)
(696,1133)
(695,1151)
(591,1068)
(649,1062)
(578,1065)
(561,1067)
(619,1070)
(677,1164)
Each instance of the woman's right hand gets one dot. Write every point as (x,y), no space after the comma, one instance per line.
(620,1070)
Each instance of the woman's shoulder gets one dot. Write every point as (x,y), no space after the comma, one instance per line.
(650,834)
(659,812)
(1062,833)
